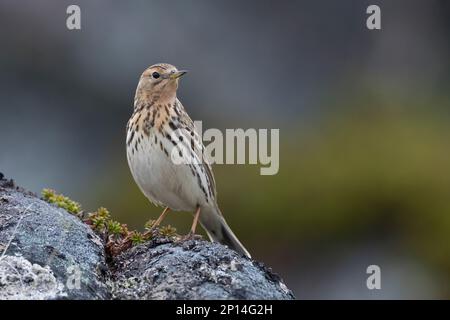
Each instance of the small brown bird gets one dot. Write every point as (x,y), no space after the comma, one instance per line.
(165,155)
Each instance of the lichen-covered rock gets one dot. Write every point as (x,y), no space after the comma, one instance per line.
(22,280)
(50,238)
(194,269)
(48,253)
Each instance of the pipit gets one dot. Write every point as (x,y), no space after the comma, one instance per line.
(166,156)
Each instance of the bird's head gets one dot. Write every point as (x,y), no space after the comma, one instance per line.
(159,82)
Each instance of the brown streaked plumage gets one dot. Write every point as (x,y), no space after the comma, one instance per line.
(165,155)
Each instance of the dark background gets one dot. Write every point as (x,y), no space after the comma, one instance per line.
(363,116)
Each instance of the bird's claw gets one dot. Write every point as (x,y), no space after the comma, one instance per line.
(190,236)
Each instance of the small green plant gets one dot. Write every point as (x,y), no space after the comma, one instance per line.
(61,201)
(125,230)
(115,228)
(100,219)
(136,238)
(168,231)
(118,236)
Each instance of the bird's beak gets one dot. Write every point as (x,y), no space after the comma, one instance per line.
(178,74)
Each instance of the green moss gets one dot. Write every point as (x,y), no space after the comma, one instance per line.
(118,236)
(115,228)
(168,231)
(125,231)
(61,201)
(137,238)
(100,219)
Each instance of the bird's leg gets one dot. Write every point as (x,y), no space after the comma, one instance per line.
(191,235)
(194,223)
(158,221)
(161,217)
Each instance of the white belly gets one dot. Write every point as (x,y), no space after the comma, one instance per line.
(163,182)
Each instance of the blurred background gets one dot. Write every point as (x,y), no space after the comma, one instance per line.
(364,119)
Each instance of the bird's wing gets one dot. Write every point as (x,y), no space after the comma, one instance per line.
(196,145)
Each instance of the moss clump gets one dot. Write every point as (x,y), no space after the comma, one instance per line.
(115,228)
(100,219)
(136,238)
(168,231)
(116,235)
(61,201)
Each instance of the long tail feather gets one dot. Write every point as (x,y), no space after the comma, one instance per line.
(218,230)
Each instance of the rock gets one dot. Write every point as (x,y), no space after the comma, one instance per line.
(48,237)
(47,253)
(19,280)
(194,269)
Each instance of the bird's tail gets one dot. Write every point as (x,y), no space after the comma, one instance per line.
(218,230)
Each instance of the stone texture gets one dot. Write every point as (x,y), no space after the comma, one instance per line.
(50,237)
(44,248)
(193,269)
(22,280)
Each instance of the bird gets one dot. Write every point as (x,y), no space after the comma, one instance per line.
(166,156)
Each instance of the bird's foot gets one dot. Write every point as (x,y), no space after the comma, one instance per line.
(190,236)
(150,233)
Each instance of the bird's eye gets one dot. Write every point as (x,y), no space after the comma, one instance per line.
(155,75)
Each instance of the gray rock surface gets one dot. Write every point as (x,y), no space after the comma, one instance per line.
(47,253)
(48,236)
(19,280)
(193,269)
